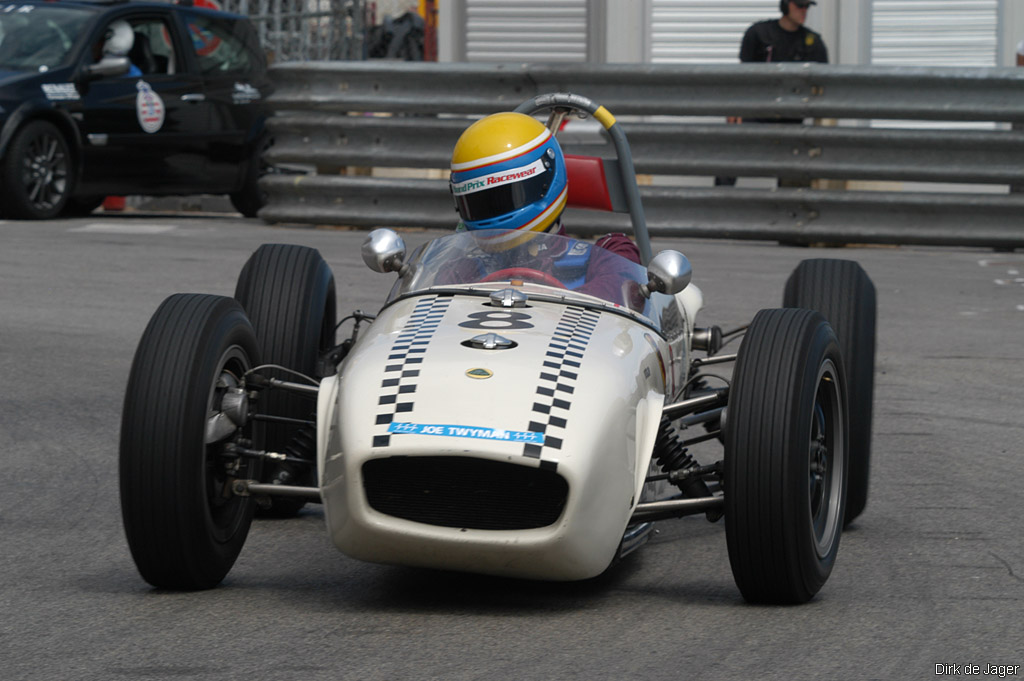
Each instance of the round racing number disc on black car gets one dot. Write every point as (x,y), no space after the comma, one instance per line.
(842,291)
(785,457)
(288,293)
(185,527)
(36,176)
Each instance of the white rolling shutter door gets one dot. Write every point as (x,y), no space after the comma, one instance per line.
(526,30)
(935,32)
(703,32)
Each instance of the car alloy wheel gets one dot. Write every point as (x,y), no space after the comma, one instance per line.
(45,167)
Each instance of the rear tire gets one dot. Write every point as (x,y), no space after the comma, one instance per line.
(36,174)
(288,293)
(842,291)
(184,526)
(785,457)
(79,207)
(251,197)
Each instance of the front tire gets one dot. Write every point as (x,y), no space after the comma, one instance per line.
(842,292)
(785,457)
(288,293)
(36,174)
(185,528)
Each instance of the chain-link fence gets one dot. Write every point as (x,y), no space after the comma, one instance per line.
(306,30)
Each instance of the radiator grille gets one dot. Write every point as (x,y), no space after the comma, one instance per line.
(464,492)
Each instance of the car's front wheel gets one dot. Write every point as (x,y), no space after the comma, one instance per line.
(37,173)
(785,457)
(288,294)
(184,524)
(842,291)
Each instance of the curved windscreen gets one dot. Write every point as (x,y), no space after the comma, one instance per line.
(38,37)
(542,265)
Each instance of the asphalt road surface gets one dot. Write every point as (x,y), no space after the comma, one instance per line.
(931,574)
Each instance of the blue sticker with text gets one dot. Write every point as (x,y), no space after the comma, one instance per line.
(527,436)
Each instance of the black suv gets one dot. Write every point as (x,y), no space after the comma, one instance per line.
(180,110)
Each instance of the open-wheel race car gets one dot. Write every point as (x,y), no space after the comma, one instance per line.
(508,422)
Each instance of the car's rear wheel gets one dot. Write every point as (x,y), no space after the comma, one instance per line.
(80,206)
(842,291)
(251,197)
(184,525)
(785,457)
(37,173)
(288,293)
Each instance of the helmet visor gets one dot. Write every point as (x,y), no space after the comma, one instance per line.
(504,192)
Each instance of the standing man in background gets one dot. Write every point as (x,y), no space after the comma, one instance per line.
(786,39)
(780,40)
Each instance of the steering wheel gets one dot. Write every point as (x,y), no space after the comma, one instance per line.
(526,273)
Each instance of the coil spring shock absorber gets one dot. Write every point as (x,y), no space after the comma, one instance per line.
(301,446)
(671,455)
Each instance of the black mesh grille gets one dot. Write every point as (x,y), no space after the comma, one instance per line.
(464,492)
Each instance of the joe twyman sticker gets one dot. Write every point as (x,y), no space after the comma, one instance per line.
(467,431)
(149,107)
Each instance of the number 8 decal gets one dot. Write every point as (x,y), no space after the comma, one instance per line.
(497,319)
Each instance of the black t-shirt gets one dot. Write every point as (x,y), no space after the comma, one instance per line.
(767,41)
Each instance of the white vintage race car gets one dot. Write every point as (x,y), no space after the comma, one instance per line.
(510,422)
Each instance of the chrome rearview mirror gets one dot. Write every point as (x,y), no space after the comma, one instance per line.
(384,251)
(668,272)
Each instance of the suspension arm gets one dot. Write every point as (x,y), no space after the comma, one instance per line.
(260,381)
(244,488)
(675,508)
(712,400)
(714,359)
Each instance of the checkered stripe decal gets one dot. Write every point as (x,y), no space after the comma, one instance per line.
(558,378)
(401,374)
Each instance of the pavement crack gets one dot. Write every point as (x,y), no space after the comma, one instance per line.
(1009,568)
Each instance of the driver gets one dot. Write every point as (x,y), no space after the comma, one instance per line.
(508,173)
(117,41)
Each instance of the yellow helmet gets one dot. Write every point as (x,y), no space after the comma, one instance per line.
(508,173)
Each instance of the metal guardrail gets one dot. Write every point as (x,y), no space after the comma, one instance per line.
(805,90)
(332,141)
(408,115)
(798,216)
